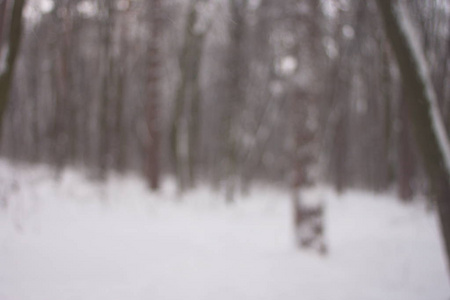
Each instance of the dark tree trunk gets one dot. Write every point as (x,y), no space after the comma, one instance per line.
(3,6)
(154,95)
(236,73)
(15,33)
(386,85)
(406,164)
(188,95)
(120,139)
(428,127)
(107,61)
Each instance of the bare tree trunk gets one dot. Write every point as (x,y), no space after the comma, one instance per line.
(71,107)
(154,95)
(175,126)
(428,126)
(188,95)
(107,64)
(120,139)
(195,112)
(3,7)
(236,82)
(406,164)
(6,75)
(386,84)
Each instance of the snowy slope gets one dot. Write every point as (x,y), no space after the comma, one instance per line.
(72,239)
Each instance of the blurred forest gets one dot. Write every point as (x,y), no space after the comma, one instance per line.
(234,95)
(231,92)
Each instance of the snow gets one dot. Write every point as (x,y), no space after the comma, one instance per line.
(70,238)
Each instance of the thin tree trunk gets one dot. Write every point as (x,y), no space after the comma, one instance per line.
(406,164)
(237,95)
(6,76)
(154,95)
(120,140)
(3,7)
(386,83)
(107,59)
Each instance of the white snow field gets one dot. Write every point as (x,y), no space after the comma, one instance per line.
(72,239)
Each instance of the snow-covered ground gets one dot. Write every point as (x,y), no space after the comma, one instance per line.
(73,239)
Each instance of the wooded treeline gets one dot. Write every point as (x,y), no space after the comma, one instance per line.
(223,91)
